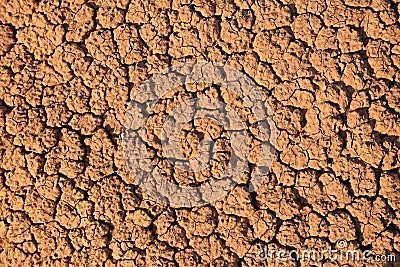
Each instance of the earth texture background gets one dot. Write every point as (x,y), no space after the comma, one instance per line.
(68,69)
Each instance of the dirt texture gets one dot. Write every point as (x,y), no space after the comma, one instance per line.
(68,69)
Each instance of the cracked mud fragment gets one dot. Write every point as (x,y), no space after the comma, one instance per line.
(329,71)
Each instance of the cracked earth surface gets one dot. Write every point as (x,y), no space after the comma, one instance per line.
(68,69)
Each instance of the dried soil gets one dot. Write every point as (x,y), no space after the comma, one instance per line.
(68,68)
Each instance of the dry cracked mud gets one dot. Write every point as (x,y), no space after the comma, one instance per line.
(69,68)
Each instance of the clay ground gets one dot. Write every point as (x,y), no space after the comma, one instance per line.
(68,69)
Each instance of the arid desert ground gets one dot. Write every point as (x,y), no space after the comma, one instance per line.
(329,72)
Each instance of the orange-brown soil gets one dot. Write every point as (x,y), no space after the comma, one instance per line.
(69,68)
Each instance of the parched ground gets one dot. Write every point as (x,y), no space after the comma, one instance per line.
(68,69)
